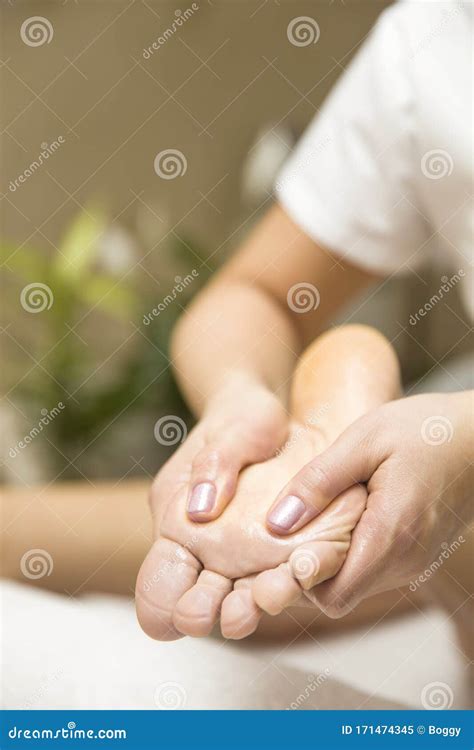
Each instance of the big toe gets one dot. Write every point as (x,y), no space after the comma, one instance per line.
(276,589)
(167,572)
(197,610)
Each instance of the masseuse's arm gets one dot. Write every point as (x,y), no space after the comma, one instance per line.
(235,348)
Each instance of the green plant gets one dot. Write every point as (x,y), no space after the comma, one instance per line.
(84,294)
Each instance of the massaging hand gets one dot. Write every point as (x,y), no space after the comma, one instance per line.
(342,375)
(243,424)
(189,577)
(416,456)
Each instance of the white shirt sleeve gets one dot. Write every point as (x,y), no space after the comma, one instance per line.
(350,183)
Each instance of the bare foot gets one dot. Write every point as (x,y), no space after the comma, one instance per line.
(234,567)
(188,575)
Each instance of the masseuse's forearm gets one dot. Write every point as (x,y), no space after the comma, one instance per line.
(274,297)
(233,335)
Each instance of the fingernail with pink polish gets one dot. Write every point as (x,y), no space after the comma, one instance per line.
(287,512)
(202,499)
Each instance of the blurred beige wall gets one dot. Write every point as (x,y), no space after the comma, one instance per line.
(226,72)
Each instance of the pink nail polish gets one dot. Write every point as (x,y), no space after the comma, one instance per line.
(287,512)
(202,499)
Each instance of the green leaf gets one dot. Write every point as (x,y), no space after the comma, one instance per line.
(79,247)
(109,296)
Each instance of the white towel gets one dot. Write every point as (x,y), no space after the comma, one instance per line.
(90,653)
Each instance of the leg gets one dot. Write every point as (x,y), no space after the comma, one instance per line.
(95,535)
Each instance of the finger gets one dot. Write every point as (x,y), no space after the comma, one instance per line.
(239,615)
(315,562)
(351,459)
(198,609)
(312,562)
(166,573)
(363,572)
(215,472)
(274,590)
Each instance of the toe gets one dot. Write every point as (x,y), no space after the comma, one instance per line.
(240,615)
(198,609)
(166,573)
(315,562)
(276,589)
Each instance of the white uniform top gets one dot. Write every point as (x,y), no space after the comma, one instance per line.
(388,163)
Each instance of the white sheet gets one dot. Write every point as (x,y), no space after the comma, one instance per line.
(90,653)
